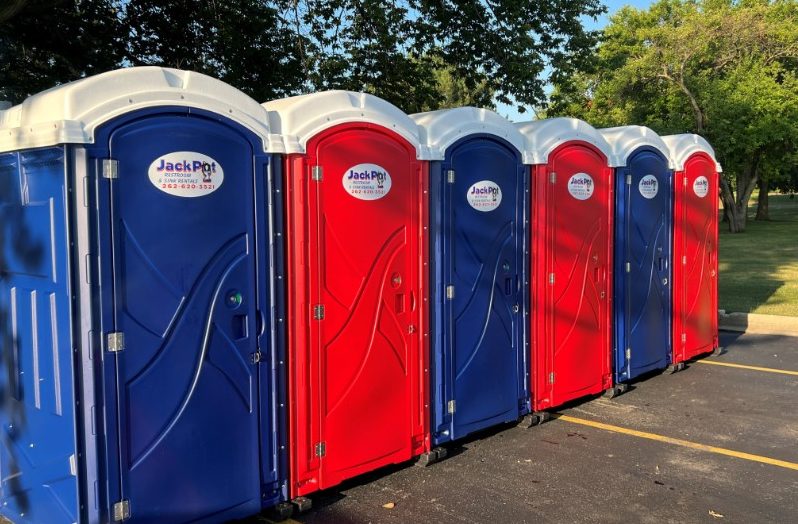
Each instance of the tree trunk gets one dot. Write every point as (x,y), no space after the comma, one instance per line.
(737,208)
(762,206)
(729,206)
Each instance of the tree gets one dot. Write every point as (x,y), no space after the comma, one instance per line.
(246,43)
(47,42)
(392,48)
(723,69)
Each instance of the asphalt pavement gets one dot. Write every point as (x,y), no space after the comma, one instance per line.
(716,442)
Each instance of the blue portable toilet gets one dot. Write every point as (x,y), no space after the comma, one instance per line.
(479,190)
(142,364)
(643,224)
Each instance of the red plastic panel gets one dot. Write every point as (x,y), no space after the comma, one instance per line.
(571,286)
(358,379)
(695,259)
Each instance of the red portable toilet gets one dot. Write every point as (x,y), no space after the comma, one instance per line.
(571,294)
(695,247)
(356,211)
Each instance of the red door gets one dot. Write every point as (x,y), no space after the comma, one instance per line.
(695,268)
(358,334)
(572,261)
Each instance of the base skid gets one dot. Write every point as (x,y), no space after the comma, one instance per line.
(673,368)
(534,419)
(616,390)
(431,457)
(302,504)
(280,512)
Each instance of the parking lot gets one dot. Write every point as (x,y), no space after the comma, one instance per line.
(715,442)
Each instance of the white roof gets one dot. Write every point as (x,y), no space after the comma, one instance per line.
(625,140)
(300,118)
(70,113)
(441,129)
(683,146)
(544,136)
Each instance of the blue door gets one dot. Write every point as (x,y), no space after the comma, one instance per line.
(180,248)
(38,451)
(479,274)
(643,261)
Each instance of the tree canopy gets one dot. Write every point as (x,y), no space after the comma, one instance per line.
(725,69)
(418,54)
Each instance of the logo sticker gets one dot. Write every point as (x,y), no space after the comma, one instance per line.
(484,196)
(648,186)
(186,174)
(580,186)
(701,186)
(367,181)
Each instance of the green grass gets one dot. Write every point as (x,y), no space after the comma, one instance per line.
(759,268)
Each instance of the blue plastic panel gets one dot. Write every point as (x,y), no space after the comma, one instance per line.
(38,457)
(644,199)
(479,351)
(193,413)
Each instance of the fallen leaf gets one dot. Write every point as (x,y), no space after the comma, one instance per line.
(389,505)
(715,514)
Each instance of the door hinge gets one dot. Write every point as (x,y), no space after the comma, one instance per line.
(317,173)
(255,357)
(450,176)
(553,177)
(450,292)
(121,510)
(551,377)
(321,449)
(628,353)
(115,342)
(684,181)
(551,279)
(451,406)
(110,168)
(628,180)
(684,260)
(684,338)
(628,267)
(318,312)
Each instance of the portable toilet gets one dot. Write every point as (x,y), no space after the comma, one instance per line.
(479,190)
(642,294)
(695,247)
(571,293)
(140,377)
(356,203)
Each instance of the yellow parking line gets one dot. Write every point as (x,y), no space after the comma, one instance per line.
(755,368)
(678,442)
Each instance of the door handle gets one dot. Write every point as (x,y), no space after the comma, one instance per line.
(400,302)
(508,286)
(240,327)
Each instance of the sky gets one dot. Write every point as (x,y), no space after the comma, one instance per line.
(612,6)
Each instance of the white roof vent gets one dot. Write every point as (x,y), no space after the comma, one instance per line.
(683,146)
(544,136)
(441,129)
(299,118)
(70,113)
(625,140)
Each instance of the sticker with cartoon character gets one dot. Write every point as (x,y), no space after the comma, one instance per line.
(186,174)
(367,181)
(581,186)
(484,196)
